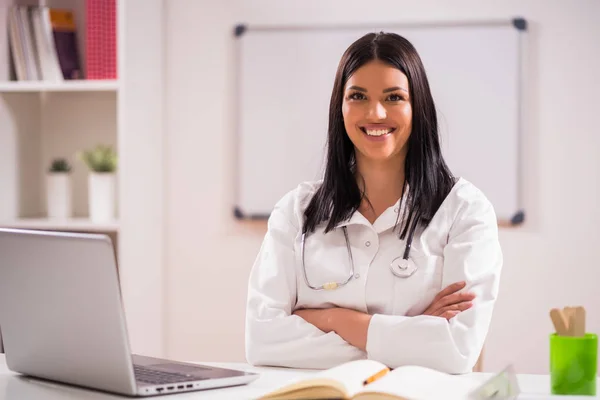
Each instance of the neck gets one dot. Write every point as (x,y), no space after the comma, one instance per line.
(382,183)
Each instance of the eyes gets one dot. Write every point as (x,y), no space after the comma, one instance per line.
(359,96)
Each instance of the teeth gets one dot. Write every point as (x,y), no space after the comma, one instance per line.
(378,132)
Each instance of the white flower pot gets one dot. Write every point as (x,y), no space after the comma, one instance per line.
(102,196)
(58,195)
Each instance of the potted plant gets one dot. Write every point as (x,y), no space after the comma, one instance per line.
(58,189)
(102,163)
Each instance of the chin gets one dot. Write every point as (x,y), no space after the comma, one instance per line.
(377,156)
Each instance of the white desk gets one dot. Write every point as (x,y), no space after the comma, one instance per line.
(16,387)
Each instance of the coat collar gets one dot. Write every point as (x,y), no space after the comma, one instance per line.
(385,221)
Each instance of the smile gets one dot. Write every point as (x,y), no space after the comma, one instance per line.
(377,132)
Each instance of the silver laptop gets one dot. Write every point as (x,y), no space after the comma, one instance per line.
(62,319)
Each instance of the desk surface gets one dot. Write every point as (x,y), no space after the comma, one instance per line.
(13,386)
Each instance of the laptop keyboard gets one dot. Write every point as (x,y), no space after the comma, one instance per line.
(155,377)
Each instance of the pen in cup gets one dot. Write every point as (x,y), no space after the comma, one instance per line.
(573,353)
(569,321)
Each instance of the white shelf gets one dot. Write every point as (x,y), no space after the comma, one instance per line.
(75,224)
(66,86)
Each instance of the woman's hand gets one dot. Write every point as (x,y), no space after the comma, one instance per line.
(449,302)
(350,325)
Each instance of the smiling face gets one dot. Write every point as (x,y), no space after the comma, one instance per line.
(377,112)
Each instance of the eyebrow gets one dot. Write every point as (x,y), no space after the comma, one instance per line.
(391,89)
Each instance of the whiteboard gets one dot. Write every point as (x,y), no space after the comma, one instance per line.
(284,81)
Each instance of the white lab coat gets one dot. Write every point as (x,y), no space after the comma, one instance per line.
(460,244)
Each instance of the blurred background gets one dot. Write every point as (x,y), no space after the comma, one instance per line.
(119,116)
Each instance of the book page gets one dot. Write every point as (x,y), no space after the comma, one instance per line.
(344,380)
(352,374)
(415,382)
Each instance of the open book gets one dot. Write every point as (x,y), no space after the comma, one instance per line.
(371,380)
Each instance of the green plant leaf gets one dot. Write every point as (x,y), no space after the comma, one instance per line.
(100,159)
(60,165)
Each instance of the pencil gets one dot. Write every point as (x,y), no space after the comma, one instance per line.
(378,375)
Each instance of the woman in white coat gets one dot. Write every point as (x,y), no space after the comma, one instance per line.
(389,257)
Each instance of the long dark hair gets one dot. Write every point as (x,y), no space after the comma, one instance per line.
(426,173)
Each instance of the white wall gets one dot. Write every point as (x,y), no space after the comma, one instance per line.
(549,262)
(141,126)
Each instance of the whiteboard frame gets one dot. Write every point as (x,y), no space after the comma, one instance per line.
(519,23)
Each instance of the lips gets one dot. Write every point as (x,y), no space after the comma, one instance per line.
(377,130)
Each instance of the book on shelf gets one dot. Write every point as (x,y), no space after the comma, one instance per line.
(101,39)
(43,44)
(64,31)
(372,380)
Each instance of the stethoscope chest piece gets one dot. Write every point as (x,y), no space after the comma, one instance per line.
(402,267)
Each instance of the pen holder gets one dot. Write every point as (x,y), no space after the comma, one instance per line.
(573,364)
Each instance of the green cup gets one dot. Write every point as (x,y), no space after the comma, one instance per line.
(573,364)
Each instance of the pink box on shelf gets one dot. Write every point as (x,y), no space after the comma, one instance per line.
(101,39)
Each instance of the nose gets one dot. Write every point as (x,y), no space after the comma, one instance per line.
(377,111)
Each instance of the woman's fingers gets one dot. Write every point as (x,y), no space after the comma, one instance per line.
(455,298)
(448,290)
(449,314)
(450,301)
(453,309)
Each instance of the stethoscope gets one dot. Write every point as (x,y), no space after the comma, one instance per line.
(401,266)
